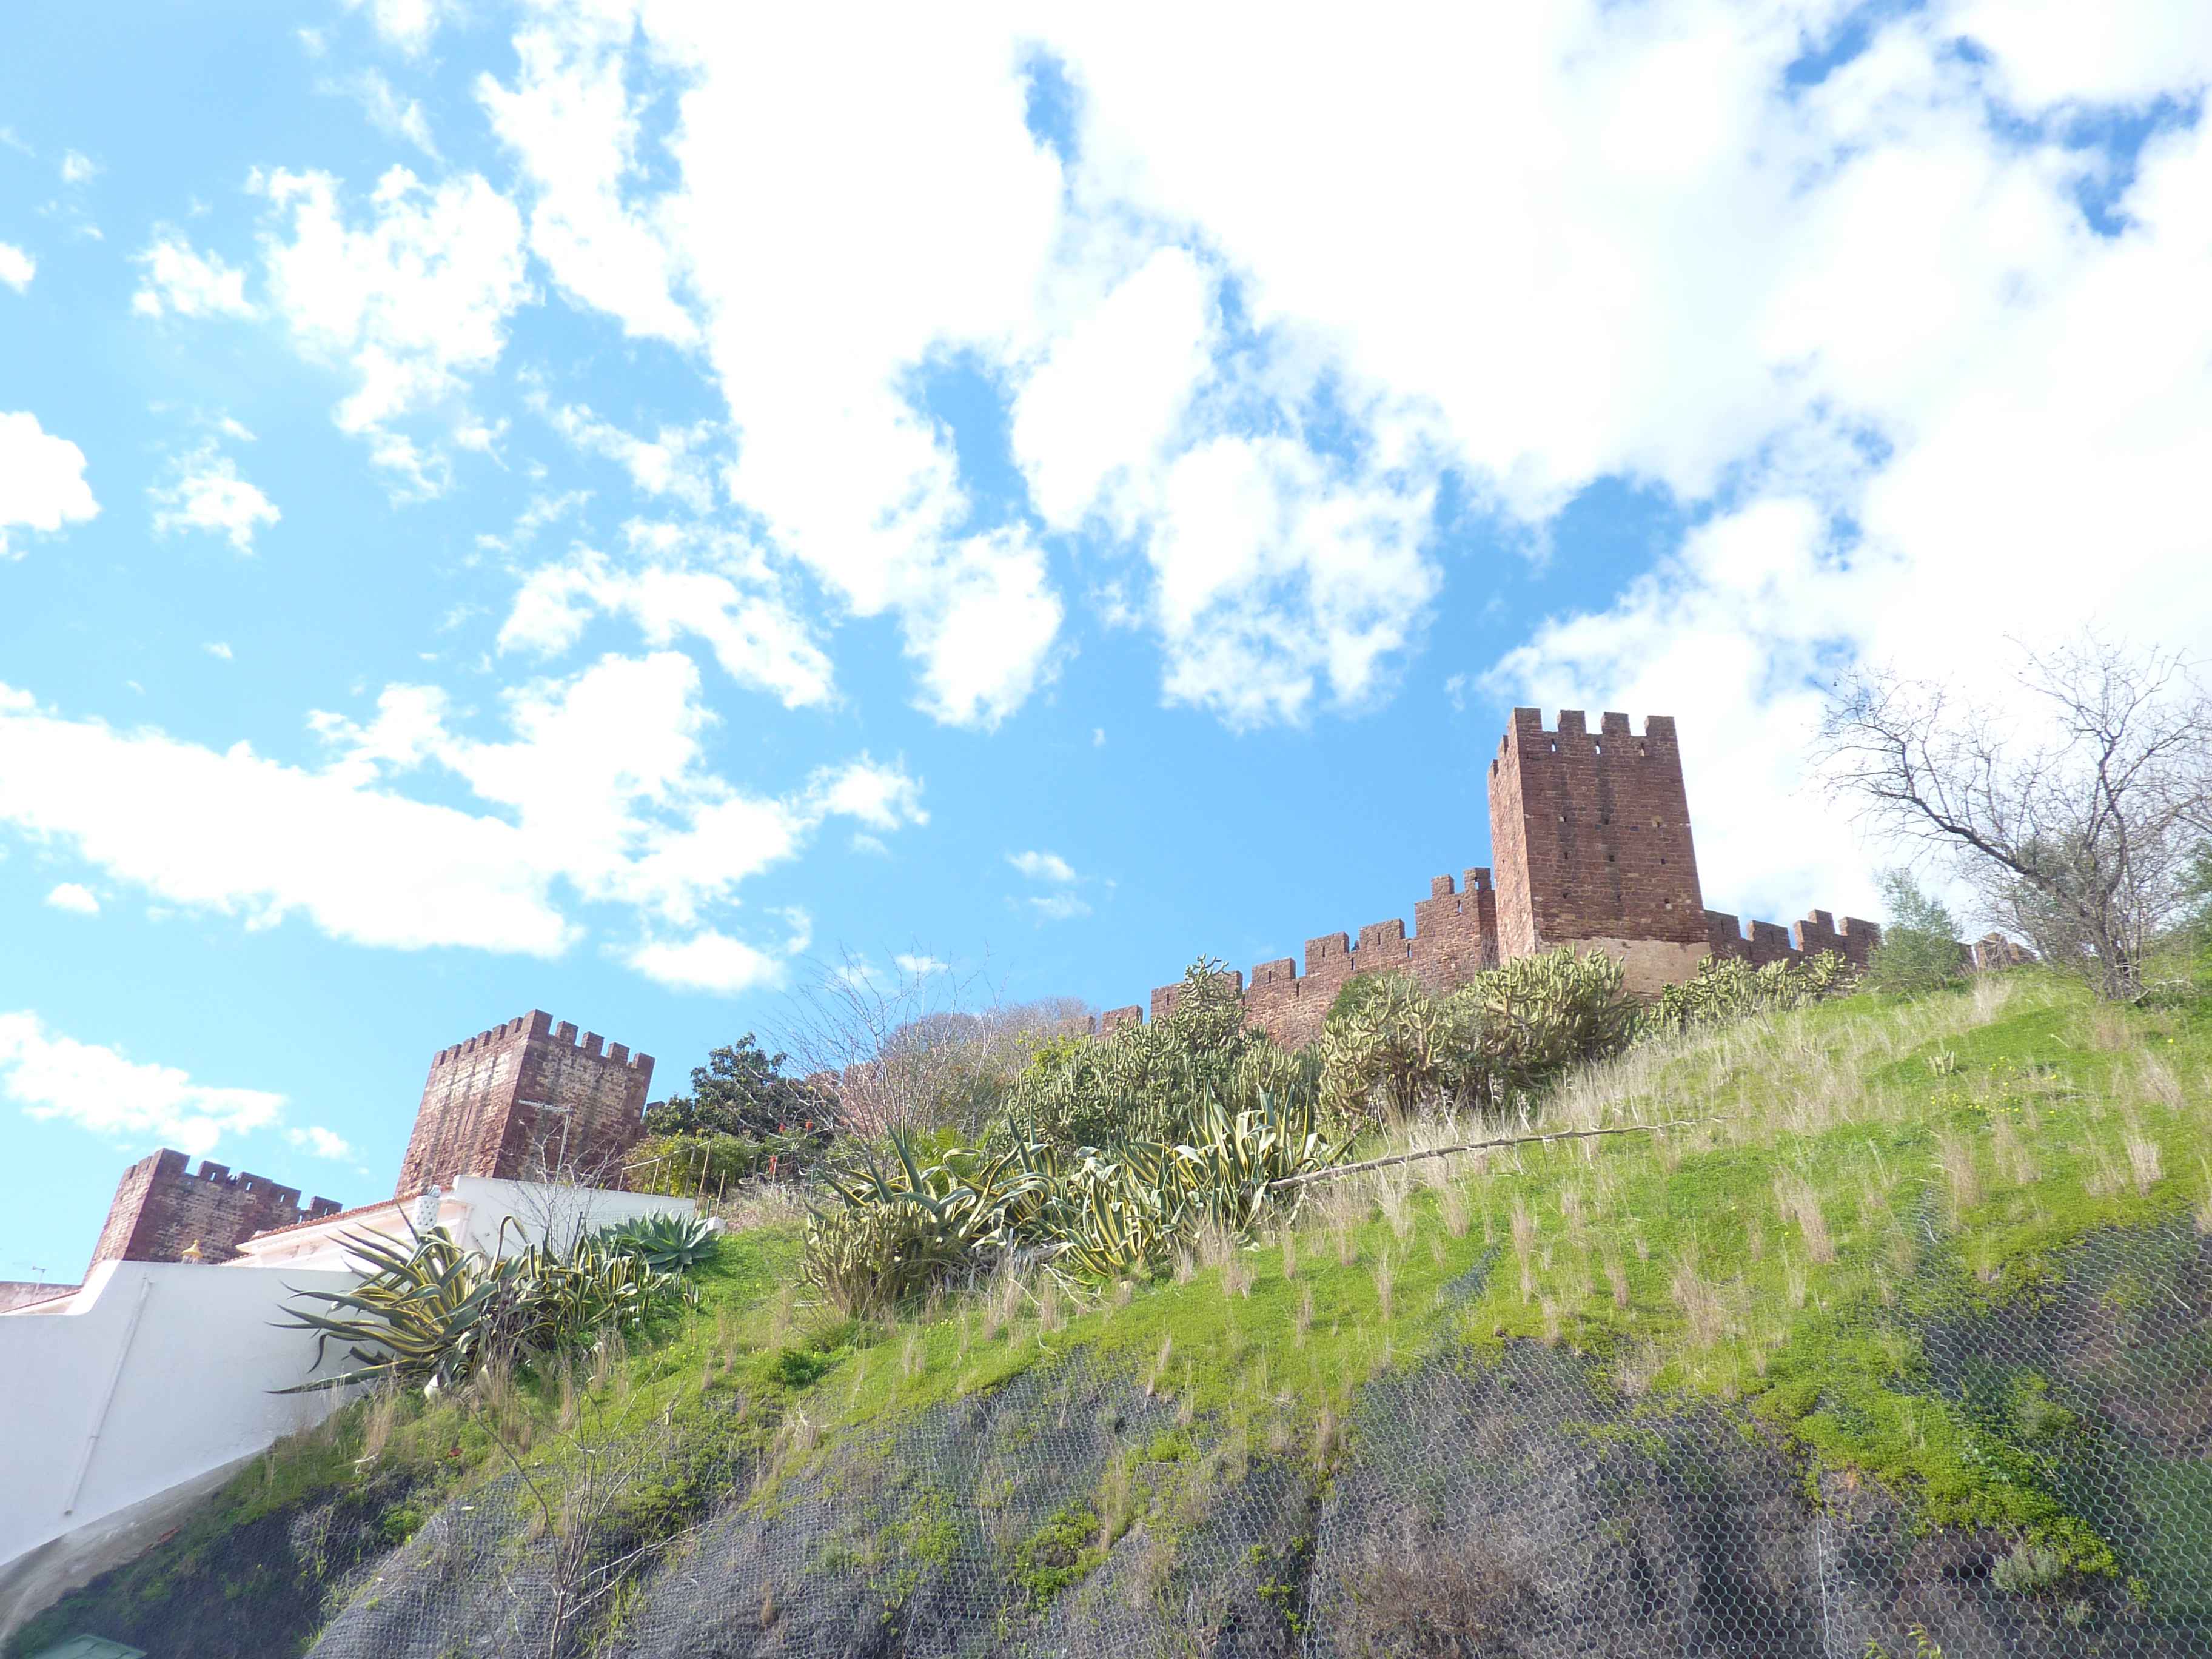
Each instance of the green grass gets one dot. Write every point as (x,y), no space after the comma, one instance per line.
(1921,1173)
(1944,1150)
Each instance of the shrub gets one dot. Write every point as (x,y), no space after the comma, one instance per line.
(901,1228)
(1519,1025)
(1727,988)
(1149,1082)
(433,1314)
(1390,1050)
(681,1166)
(1920,950)
(741,1090)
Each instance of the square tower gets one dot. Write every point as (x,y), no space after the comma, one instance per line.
(1590,838)
(162,1208)
(526,1100)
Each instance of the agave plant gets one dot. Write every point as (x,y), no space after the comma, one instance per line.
(666,1243)
(431,1314)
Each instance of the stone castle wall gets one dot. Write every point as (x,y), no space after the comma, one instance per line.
(1591,846)
(525,1098)
(161,1208)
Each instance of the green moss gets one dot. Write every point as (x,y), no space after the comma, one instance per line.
(1063,1551)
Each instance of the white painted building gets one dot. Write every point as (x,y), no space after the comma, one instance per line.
(474,1212)
(126,1400)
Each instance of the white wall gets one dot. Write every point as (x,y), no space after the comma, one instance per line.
(123,1404)
(539,1210)
(472,1211)
(155,1374)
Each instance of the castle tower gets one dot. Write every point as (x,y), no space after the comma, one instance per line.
(1590,838)
(526,1100)
(162,1207)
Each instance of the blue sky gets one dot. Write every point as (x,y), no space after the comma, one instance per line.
(591,507)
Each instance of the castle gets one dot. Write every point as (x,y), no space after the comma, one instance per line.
(1591,848)
(1591,844)
(525,1100)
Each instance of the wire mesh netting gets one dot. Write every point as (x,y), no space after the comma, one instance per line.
(1508,1498)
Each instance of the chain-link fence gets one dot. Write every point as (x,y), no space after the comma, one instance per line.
(1511,1500)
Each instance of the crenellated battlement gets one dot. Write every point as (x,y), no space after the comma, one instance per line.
(1454,935)
(1760,943)
(163,1206)
(1591,846)
(1527,735)
(526,1097)
(541,1025)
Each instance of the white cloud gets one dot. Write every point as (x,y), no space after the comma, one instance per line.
(323,1143)
(78,168)
(1042,866)
(674,583)
(882,797)
(1059,907)
(178,280)
(74,896)
(414,302)
(708,961)
(42,485)
(599,794)
(672,463)
(205,492)
(390,113)
(573,126)
(217,648)
(1277,577)
(918,966)
(1872,301)
(410,25)
(815,349)
(17,267)
(52,1076)
(1113,389)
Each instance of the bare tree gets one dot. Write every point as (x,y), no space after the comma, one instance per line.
(917,1044)
(2072,813)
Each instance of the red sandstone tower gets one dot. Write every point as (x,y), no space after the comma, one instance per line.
(161,1208)
(1590,835)
(526,1100)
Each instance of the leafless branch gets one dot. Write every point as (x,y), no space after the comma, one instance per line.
(2071,811)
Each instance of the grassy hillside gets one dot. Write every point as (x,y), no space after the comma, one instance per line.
(1872,1194)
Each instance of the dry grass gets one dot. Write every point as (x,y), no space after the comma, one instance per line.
(1571,1210)
(1002,1300)
(2155,1081)
(1702,1311)
(1954,1155)
(2108,1029)
(1800,1203)
(757,1204)
(2015,1159)
(2103,1177)
(1303,1323)
(1616,1275)
(1451,1204)
(383,1415)
(1524,1244)
(2143,1160)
